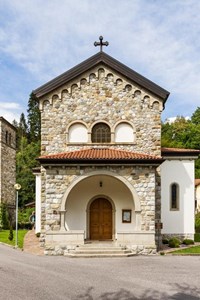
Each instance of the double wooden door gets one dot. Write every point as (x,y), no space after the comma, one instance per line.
(101,219)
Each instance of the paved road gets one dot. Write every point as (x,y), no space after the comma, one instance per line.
(24,276)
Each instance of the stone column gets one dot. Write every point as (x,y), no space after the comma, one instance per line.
(138,219)
(37,174)
(62,220)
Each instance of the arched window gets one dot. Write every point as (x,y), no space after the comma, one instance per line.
(124,133)
(101,133)
(174,205)
(78,133)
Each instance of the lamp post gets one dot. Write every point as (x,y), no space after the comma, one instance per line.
(17,187)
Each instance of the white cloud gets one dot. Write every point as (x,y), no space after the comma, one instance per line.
(10,111)
(159,39)
(11,105)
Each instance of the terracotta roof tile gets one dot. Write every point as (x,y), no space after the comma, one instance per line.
(100,154)
(178,150)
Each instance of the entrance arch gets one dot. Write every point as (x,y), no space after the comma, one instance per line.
(100,220)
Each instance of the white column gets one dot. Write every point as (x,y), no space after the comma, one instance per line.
(38,203)
(62,220)
(138,220)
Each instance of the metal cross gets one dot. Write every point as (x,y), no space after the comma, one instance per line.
(101,43)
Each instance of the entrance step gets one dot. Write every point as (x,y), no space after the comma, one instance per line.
(101,250)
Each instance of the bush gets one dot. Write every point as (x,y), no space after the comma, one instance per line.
(23,218)
(174,243)
(188,242)
(165,241)
(197,223)
(197,237)
(4,216)
(24,215)
(25,225)
(10,237)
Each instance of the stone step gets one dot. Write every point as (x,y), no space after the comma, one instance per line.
(74,255)
(82,248)
(101,251)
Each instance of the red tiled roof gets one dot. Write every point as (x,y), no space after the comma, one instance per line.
(178,150)
(100,154)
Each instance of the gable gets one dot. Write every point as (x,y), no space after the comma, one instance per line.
(105,59)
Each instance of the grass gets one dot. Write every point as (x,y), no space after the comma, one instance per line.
(5,233)
(190,250)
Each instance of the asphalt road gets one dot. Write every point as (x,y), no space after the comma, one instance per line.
(24,276)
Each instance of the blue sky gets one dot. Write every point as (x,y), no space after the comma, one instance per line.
(40,39)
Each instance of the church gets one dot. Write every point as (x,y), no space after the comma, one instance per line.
(104,179)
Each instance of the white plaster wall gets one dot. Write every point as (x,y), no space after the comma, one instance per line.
(38,203)
(181,172)
(124,133)
(78,133)
(87,189)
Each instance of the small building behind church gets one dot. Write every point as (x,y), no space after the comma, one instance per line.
(197,195)
(7,162)
(104,177)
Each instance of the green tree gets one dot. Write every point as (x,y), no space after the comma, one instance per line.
(196,117)
(33,118)
(183,134)
(26,161)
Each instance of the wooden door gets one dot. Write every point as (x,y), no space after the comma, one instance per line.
(100,219)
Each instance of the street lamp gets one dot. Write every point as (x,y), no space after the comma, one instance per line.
(17,187)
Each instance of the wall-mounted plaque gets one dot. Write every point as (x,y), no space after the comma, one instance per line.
(126,215)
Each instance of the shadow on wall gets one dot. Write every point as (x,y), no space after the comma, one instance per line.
(181,292)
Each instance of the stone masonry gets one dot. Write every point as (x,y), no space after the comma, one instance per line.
(99,95)
(7,162)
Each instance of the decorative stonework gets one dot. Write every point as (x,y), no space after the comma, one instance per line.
(101,95)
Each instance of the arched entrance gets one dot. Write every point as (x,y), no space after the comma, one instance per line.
(101,219)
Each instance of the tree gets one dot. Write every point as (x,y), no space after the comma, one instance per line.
(196,117)
(33,118)
(183,134)
(26,161)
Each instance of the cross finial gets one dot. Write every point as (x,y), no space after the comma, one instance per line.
(101,43)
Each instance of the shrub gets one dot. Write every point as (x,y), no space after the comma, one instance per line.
(197,237)
(165,241)
(25,225)
(4,216)
(10,237)
(188,242)
(174,243)
(197,223)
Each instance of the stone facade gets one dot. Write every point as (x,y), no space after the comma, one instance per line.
(7,162)
(100,94)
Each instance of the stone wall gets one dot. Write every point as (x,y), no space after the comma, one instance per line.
(8,162)
(58,179)
(101,95)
